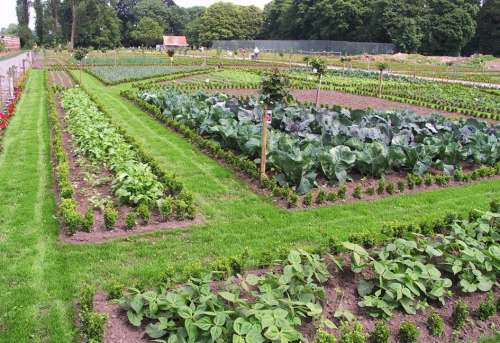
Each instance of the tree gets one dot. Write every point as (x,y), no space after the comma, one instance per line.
(227,21)
(488,28)
(39,23)
(147,33)
(319,68)
(98,25)
(11,30)
(274,91)
(381,67)
(23,18)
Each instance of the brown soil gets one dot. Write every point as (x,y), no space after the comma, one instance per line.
(340,290)
(60,78)
(346,100)
(95,181)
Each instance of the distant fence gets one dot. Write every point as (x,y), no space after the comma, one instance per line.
(307,46)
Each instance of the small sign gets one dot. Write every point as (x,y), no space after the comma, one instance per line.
(269,118)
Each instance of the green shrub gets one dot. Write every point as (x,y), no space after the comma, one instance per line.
(332,196)
(334,245)
(321,197)
(459,315)
(181,209)
(381,185)
(356,193)
(93,324)
(428,179)
(408,332)
(293,199)
(370,191)
(364,239)
(390,188)
(307,199)
(86,298)
(495,206)
(380,334)
(352,334)
(486,308)
(324,337)
(70,216)
(342,192)
(114,290)
(435,324)
(165,208)
(88,220)
(143,212)
(110,216)
(401,186)
(130,221)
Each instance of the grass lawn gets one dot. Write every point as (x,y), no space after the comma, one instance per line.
(40,276)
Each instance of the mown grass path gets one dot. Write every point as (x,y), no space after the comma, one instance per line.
(39,276)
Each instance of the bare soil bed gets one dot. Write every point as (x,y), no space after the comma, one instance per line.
(60,78)
(346,100)
(340,290)
(92,184)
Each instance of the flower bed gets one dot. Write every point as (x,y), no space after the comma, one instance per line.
(11,105)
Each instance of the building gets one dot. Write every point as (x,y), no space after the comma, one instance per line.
(173,42)
(11,42)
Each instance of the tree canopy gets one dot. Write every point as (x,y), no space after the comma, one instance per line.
(426,26)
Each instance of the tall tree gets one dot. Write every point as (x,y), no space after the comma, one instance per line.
(148,32)
(488,28)
(39,22)
(98,25)
(23,18)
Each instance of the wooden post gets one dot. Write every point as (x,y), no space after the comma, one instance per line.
(319,88)
(380,84)
(263,144)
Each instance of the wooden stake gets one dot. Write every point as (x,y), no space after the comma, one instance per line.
(263,144)
(317,92)
(380,84)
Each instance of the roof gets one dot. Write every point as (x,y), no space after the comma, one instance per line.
(175,41)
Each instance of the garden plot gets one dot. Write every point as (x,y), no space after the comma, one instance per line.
(113,75)
(415,288)
(323,155)
(224,77)
(107,187)
(449,97)
(60,78)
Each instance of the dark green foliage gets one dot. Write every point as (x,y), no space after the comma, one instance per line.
(366,240)
(307,199)
(401,186)
(486,308)
(356,193)
(181,209)
(352,333)
(408,332)
(321,197)
(390,188)
(459,315)
(293,199)
(381,185)
(428,179)
(435,324)
(130,221)
(165,208)
(324,337)
(370,191)
(332,196)
(274,89)
(380,334)
(495,206)
(341,192)
(143,212)
(110,216)
(88,220)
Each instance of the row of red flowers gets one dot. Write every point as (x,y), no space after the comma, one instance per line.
(5,116)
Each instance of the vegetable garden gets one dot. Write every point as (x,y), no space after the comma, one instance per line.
(166,223)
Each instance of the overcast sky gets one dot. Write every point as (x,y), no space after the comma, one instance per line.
(8,8)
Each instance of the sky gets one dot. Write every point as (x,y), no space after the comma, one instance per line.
(8,8)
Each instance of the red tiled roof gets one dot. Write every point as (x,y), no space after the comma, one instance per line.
(175,41)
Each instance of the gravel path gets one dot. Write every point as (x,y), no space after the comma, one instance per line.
(346,100)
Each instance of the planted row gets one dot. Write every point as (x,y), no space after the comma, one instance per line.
(306,143)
